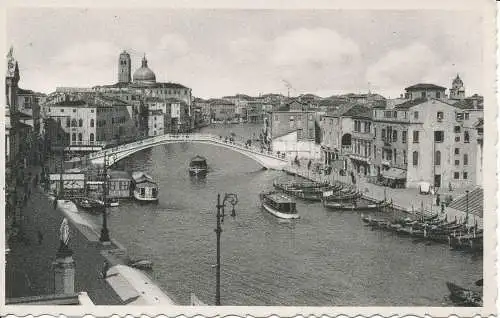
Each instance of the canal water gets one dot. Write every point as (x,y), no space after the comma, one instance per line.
(323,259)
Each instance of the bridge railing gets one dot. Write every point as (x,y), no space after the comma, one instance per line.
(187,137)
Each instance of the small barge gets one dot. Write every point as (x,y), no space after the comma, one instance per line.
(144,188)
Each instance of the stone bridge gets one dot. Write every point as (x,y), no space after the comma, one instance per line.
(266,159)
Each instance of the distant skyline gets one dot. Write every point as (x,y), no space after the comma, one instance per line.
(225,52)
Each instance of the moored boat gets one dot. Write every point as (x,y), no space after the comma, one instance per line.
(279,205)
(198,165)
(309,190)
(89,203)
(464,296)
(353,205)
(112,202)
(145,189)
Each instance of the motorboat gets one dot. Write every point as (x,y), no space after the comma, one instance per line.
(198,165)
(279,205)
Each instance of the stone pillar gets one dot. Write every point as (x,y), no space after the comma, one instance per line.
(64,274)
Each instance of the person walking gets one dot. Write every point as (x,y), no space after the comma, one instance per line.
(105,269)
(40,237)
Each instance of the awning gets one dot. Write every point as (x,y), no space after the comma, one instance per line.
(394,173)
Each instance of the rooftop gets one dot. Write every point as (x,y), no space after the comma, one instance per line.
(359,111)
(410,103)
(424,86)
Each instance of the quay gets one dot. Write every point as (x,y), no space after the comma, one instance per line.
(32,250)
(405,200)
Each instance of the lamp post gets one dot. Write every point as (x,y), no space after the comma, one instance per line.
(104,239)
(232,198)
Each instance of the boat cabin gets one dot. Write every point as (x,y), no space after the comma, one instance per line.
(280,202)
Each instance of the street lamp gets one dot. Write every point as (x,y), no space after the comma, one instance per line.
(232,198)
(104,239)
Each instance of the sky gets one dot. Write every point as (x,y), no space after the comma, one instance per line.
(222,52)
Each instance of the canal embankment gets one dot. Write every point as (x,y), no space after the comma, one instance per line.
(407,201)
(133,286)
(32,250)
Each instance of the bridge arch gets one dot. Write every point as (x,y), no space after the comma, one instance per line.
(113,155)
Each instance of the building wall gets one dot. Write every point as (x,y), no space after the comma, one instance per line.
(156,124)
(303,149)
(452,160)
(284,122)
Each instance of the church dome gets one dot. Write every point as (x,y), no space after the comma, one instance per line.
(144,74)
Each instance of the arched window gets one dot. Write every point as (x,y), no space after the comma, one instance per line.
(437,158)
(58,122)
(80,122)
(415,158)
(91,137)
(67,122)
(80,137)
(73,123)
(73,137)
(91,123)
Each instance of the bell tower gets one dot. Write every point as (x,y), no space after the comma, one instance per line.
(124,68)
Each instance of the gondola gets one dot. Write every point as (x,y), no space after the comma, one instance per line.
(463,296)
(353,205)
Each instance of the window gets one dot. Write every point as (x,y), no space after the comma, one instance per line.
(80,122)
(437,158)
(415,136)
(73,137)
(395,114)
(91,137)
(466,116)
(422,94)
(67,122)
(466,159)
(395,156)
(74,110)
(73,123)
(276,118)
(456,175)
(394,135)
(439,136)
(415,158)
(80,137)
(415,115)
(466,175)
(457,162)
(383,134)
(457,138)
(387,114)
(460,116)
(62,110)
(404,157)
(375,132)
(374,152)
(466,136)
(404,136)
(457,151)
(440,116)
(457,129)
(91,123)
(438,94)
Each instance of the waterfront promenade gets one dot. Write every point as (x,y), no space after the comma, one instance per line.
(409,200)
(29,263)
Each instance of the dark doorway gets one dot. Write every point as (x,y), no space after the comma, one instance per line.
(437,180)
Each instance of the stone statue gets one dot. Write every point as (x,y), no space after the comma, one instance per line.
(64,236)
(11,63)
